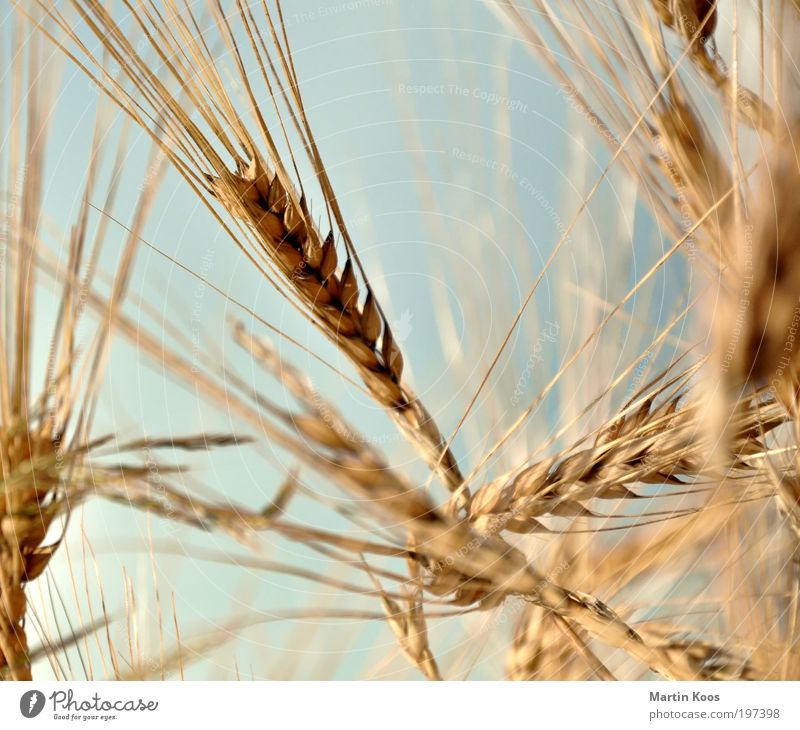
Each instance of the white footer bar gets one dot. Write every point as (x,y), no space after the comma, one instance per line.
(400,705)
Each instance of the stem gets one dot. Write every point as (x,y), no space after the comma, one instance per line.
(14,662)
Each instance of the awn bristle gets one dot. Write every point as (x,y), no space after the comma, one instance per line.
(277,232)
(47,451)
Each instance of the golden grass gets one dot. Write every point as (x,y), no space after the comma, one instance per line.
(48,451)
(696,472)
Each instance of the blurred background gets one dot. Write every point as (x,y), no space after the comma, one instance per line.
(459,163)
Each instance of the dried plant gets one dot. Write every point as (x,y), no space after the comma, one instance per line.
(588,538)
(51,458)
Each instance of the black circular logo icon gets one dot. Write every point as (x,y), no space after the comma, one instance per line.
(31,703)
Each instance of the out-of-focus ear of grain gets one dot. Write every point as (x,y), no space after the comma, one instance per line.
(688,16)
(757,319)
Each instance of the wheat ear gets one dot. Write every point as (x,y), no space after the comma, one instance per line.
(357,326)
(275,227)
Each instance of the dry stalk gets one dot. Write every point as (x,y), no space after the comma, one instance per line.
(454,560)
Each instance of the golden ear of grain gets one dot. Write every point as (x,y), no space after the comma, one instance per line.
(309,262)
(709,661)
(689,16)
(528,658)
(758,320)
(691,162)
(260,194)
(30,465)
(408,624)
(14,660)
(653,443)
